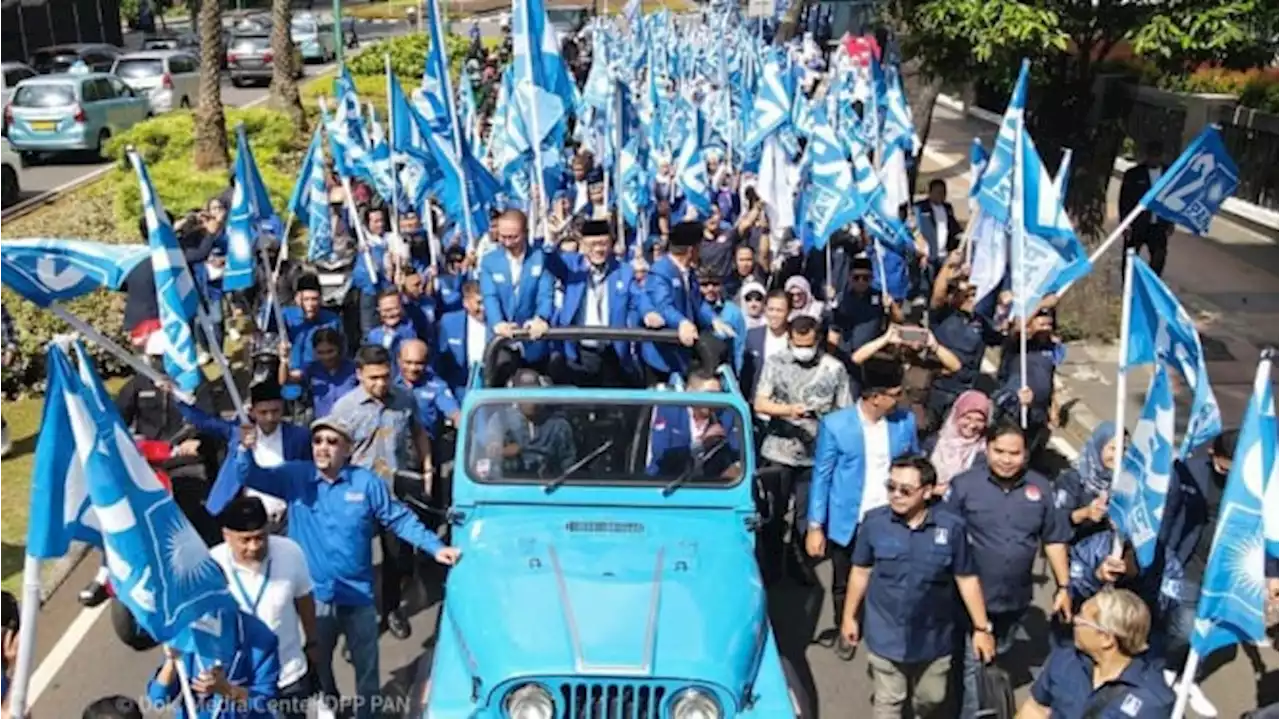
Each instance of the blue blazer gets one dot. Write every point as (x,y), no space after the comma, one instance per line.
(752,361)
(295,441)
(622,308)
(254,666)
(839,467)
(533,297)
(664,293)
(451,361)
(671,449)
(448,295)
(732,315)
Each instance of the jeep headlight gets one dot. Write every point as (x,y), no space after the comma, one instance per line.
(530,701)
(695,704)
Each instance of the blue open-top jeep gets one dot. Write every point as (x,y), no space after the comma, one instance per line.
(608,566)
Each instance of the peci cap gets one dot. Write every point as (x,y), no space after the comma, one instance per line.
(687,234)
(267,391)
(307,283)
(244,514)
(595,228)
(708,275)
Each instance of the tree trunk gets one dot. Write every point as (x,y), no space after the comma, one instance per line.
(284,66)
(211,123)
(791,21)
(922,94)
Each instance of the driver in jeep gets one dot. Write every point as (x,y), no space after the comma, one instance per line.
(530,440)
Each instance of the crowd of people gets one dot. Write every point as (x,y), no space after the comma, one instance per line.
(888,449)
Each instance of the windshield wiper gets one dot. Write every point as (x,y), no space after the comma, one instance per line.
(698,462)
(554,484)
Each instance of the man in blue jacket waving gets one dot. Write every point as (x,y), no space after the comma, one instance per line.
(855,448)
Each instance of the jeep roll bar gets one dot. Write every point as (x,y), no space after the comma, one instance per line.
(578,334)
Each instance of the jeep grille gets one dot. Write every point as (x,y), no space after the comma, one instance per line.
(605,527)
(611,700)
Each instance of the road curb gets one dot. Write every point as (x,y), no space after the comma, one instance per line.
(62,569)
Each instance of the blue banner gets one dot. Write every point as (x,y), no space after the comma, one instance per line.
(1138,495)
(1190,192)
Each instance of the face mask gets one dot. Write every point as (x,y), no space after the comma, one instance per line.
(804,355)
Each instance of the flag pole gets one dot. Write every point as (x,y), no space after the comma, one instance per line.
(1115,235)
(215,348)
(184,681)
(361,242)
(1126,297)
(30,614)
(1016,212)
(116,350)
(1182,691)
(391,146)
(467,220)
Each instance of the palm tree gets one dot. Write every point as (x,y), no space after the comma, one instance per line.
(285,68)
(211,123)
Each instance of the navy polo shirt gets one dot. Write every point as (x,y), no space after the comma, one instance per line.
(967,336)
(1065,687)
(911,598)
(1006,529)
(858,318)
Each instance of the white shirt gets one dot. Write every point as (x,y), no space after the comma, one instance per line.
(581,198)
(596,313)
(269,452)
(477,338)
(876,460)
(288,579)
(516,264)
(941,225)
(773,344)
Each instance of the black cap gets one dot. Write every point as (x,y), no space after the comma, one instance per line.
(595,176)
(264,392)
(307,282)
(861,263)
(244,514)
(708,275)
(455,253)
(595,228)
(687,234)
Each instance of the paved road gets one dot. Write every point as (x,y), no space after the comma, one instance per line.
(55,172)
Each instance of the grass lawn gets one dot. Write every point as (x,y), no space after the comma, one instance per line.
(15,484)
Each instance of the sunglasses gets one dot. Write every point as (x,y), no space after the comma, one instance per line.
(754,297)
(900,490)
(326,440)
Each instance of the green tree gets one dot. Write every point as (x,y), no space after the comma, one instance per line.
(211,123)
(957,43)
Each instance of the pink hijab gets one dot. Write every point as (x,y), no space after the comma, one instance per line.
(953,453)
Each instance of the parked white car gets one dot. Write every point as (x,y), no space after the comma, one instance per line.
(10,174)
(169,79)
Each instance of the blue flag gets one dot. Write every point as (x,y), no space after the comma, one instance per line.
(978,158)
(1138,495)
(1233,593)
(831,200)
(435,76)
(249,217)
(310,200)
(691,168)
(1160,330)
(49,270)
(176,296)
(1050,256)
(995,193)
(771,108)
(160,568)
(1196,185)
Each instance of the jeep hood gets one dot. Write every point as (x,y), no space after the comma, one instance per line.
(558,592)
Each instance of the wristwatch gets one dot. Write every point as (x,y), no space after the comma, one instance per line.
(987,628)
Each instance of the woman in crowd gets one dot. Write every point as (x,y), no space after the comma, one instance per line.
(962,439)
(1085,489)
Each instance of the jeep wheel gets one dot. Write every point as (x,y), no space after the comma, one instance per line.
(801,702)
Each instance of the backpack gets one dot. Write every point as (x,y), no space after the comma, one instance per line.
(995,694)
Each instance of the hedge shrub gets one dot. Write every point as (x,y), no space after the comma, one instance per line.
(167,143)
(408,57)
(1256,88)
(370,89)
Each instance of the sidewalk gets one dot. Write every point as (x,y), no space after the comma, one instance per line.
(1228,283)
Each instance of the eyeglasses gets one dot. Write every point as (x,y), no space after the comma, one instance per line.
(900,490)
(326,440)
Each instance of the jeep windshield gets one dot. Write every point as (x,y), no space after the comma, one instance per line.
(668,444)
